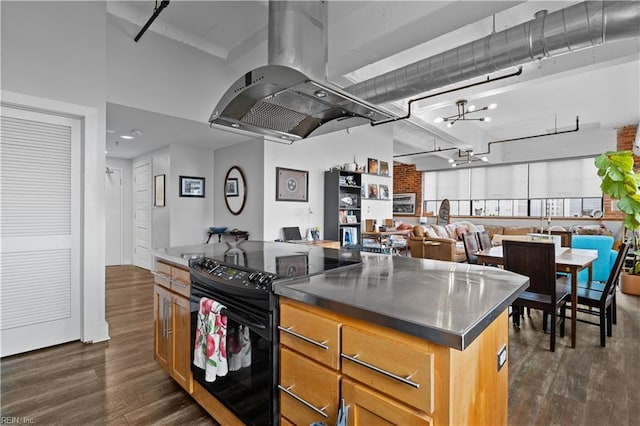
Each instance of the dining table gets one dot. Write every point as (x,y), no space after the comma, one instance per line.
(568,260)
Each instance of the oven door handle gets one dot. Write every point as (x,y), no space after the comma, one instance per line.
(242,320)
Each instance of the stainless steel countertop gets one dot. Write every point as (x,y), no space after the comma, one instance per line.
(446,303)
(443,302)
(181,255)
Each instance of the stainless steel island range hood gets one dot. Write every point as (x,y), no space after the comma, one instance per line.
(290,98)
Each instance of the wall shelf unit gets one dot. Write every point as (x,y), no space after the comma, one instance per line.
(342,207)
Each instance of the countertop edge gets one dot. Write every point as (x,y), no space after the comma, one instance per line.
(459,341)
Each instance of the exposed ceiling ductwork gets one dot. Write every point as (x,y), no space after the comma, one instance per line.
(583,25)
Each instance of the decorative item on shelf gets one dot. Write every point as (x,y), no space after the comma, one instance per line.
(372,166)
(373,191)
(463,112)
(315,233)
(384,192)
(218,229)
(343,216)
(369,225)
(384,168)
(620,182)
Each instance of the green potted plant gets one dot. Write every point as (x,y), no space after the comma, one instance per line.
(620,182)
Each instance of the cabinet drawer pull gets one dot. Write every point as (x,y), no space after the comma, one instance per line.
(159,275)
(287,390)
(405,380)
(181,284)
(289,330)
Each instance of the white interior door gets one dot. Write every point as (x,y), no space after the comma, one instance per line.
(114,216)
(142,214)
(40,229)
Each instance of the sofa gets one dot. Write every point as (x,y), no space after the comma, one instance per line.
(444,242)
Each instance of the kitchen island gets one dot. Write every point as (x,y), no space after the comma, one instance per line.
(400,339)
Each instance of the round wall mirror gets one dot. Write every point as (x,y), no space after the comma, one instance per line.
(235,190)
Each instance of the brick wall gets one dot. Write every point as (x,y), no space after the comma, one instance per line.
(626,136)
(407,180)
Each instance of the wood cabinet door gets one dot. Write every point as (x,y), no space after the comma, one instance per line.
(310,390)
(161,320)
(182,345)
(369,408)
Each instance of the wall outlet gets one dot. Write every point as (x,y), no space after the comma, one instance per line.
(502,356)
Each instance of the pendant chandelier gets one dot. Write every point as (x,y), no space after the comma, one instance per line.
(463,112)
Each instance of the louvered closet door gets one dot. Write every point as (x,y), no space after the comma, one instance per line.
(40,230)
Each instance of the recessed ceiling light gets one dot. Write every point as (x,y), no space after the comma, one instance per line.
(320,93)
(127,137)
(493,106)
(106,152)
(235,125)
(438,120)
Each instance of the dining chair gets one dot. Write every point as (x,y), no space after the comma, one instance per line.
(565,237)
(606,255)
(592,301)
(537,260)
(484,239)
(471,247)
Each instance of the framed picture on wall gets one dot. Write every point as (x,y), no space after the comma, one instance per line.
(384,192)
(372,166)
(158,190)
(384,168)
(231,187)
(404,204)
(292,185)
(191,186)
(372,191)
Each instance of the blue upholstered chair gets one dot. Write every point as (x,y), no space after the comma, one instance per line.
(606,255)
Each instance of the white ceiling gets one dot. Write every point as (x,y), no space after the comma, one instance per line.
(600,85)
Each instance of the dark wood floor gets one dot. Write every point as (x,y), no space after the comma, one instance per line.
(118,382)
(115,382)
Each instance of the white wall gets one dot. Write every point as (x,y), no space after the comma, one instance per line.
(161,216)
(190,216)
(127,224)
(316,155)
(56,51)
(248,156)
(162,75)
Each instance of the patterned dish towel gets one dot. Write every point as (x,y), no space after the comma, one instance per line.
(209,352)
(239,349)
